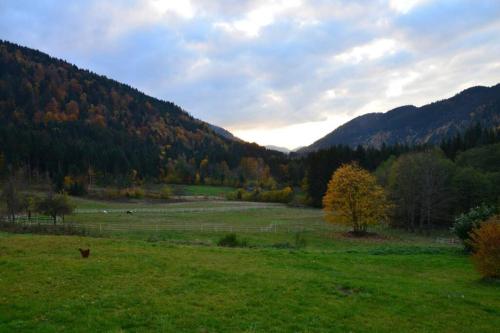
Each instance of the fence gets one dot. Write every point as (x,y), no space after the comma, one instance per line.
(35,219)
(191,227)
(102,227)
(176,210)
(198,227)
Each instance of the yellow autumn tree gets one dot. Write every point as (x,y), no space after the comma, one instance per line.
(354,198)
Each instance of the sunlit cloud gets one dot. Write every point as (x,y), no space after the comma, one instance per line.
(258,18)
(276,72)
(370,51)
(181,8)
(396,86)
(404,6)
(292,136)
(334,93)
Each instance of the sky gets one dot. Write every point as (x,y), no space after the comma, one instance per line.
(284,72)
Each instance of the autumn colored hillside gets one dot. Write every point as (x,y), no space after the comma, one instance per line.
(59,119)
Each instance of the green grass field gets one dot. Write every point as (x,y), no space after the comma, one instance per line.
(205,190)
(180,281)
(193,190)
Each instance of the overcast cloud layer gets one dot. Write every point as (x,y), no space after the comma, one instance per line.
(275,72)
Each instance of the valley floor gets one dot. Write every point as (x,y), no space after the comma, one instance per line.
(180,281)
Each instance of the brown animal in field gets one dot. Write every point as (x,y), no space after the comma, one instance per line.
(84,253)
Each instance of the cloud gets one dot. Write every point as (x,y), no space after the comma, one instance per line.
(276,72)
(258,18)
(404,6)
(370,51)
(292,136)
(182,8)
(396,85)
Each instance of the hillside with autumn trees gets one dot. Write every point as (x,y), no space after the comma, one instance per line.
(73,128)
(58,120)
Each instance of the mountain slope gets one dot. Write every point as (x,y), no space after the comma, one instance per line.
(59,119)
(223,132)
(418,125)
(284,150)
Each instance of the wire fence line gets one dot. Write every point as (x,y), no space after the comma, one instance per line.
(172,210)
(34,219)
(204,228)
(103,228)
(192,227)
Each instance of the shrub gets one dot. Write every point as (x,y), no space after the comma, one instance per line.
(465,223)
(75,186)
(300,240)
(251,195)
(166,193)
(231,240)
(485,242)
(56,205)
(133,193)
(284,195)
(111,194)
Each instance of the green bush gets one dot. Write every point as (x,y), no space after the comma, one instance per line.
(166,193)
(465,223)
(110,194)
(231,240)
(133,193)
(284,195)
(300,240)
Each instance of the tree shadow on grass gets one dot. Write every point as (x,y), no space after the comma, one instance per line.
(489,281)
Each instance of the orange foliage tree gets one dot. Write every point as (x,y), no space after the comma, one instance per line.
(353,197)
(485,242)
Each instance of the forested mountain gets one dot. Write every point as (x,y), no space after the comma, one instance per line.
(278,148)
(57,120)
(413,125)
(223,132)
(468,148)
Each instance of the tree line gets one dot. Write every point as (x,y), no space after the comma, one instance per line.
(76,129)
(468,162)
(21,202)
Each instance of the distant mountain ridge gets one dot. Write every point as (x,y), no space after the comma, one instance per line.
(411,125)
(278,148)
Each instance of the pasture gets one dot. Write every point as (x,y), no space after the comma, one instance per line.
(195,217)
(172,277)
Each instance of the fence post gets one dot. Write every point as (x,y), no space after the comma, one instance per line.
(100,228)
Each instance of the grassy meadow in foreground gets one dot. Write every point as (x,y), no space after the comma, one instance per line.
(180,281)
(141,286)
